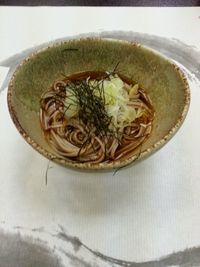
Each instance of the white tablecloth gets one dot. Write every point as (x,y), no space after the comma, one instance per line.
(141,213)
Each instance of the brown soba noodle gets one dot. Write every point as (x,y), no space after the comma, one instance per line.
(96,117)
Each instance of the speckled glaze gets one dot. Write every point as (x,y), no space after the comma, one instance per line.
(163,80)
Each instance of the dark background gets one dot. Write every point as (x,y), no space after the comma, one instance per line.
(100,2)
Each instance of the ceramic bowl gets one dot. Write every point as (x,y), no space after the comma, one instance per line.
(163,80)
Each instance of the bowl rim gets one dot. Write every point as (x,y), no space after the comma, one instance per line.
(103,165)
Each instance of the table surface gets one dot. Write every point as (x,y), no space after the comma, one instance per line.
(101,2)
(146,215)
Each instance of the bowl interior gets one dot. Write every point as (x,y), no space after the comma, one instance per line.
(161,79)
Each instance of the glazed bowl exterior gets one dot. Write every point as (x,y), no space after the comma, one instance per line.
(164,82)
